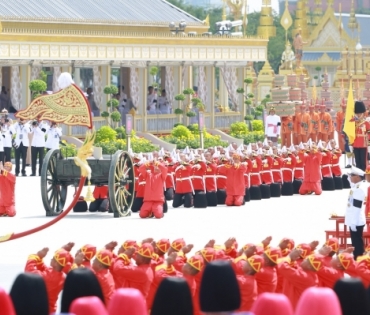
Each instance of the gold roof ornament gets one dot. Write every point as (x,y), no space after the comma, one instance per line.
(330,3)
(286,20)
(206,21)
(266,28)
(318,12)
(301,20)
(352,22)
(235,7)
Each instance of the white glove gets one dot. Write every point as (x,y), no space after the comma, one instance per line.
(353,228)
(351,149)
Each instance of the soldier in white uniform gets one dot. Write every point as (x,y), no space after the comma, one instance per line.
(272,126)
(21,142)
(7,132)
(1,145)
(355,212)
(38,145)
(54,134)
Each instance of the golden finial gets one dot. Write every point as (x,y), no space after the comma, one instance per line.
(352,22)
(286,20)
(224,11)
(83,154)
(266,27)
(206,21)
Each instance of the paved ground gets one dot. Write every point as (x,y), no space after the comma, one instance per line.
(303,218)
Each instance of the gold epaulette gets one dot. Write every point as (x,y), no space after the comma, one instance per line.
(4,173)
(167,268)
(75,266)
(241,257)
(361,258)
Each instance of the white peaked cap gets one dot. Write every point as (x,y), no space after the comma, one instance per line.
(319,145)
(301,146)
(191,155)
(227,154)
(141,155)
(65,80)
(239,151)
(161,152)
(216,154)
(265,142)
(230,147)
(203,157)
(241,147)
(279,151)
(270,151)
(283,149)
(143,160)
(310,143)
(328,147)
(249,148)
(150,156)
(227,149)
(292,148)
(215,149)
(186,150)
(178,156)
(357,171)
(260,151)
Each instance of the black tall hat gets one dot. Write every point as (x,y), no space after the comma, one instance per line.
(173,297)
(352,296)
(360,107)
(29,295)
(80,282)
(219,289)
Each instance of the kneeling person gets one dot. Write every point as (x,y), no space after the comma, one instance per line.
(154,174)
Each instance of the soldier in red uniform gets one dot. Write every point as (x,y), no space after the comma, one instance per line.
(248,167)
(235,189)
(267,277)
(255,177)
(7,190)
(139,187)
(170,179)
(299,169)
(287,170)
(155,175)
(327,182)
(183,188)
(53,275)
(266,173)
(198,170)
(100,194)
(160,249)
(276,169)
(361,140)
(210,180)
(312,173)
(139,276)
(335,166)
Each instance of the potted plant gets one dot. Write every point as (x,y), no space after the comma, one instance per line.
(247,96)
(112,104)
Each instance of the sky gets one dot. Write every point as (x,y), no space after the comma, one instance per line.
(255,5)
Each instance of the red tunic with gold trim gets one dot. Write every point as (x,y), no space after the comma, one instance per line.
(255,176)
(161,272)
(328,276)
(363,269)
(140,186)
(326,164)
(154,187)
(335,167)
(276,169)
(299,166)
(266,280)
(100,192)
(136,173)
(197,178)
(361,140)
(221,177)
(266,174)
(183,178)
(54,280)
(107,284)
(128,275)
(210,176)
(238,264)
(296,281)
(248,167)
(248,291)
(288,168)
(156,261)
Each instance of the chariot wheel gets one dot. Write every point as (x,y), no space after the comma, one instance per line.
(54,194)
(121,183)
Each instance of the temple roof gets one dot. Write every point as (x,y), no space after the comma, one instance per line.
(95,11)
(315,56)
(364,22)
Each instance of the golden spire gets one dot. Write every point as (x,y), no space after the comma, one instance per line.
(266,27)
(301,20)
(330,3)
(266,69)
(286,20)
(317,11)
(352,23)
(224,10)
